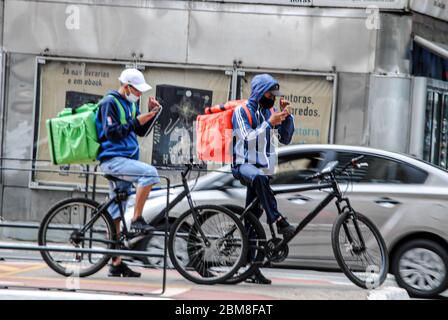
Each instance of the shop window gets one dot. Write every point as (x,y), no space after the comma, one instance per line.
(436,128)
(183,93)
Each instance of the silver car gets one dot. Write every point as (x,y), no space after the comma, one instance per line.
(405,197)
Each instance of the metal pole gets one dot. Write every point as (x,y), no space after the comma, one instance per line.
(89,251)
(167,225)
(79,250)
(87,181)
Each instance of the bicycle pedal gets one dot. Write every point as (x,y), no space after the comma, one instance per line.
(267,264)
(288,236)
(138,233)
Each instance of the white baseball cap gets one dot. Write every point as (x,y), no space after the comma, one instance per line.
(134,78)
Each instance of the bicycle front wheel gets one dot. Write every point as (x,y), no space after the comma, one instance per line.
(360,250)
(61,228)
(207,247)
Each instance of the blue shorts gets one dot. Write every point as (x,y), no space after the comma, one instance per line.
(132,171)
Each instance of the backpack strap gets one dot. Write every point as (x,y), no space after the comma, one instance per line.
(249,116)
(122,112)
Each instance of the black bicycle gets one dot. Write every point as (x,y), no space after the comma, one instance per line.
(358,246)
(202,233)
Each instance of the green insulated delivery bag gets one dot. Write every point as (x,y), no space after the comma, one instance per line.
(72,136)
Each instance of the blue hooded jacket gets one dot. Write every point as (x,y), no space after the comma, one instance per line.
(253,143)
(116,139)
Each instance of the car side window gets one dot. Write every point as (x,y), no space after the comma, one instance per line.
(382,170)
(294,168)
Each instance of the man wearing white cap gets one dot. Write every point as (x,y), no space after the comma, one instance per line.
(118,124)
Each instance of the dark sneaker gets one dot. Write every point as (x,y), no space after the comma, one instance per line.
(284,228)
(122,270)
(140,224)
(258,278)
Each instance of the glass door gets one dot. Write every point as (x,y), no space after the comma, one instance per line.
(436,127)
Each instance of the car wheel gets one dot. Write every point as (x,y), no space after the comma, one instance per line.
(421,267)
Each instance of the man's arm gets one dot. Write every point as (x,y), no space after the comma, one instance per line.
(110,120)
(242,127)
(142,130)
(286,130)
(145,121)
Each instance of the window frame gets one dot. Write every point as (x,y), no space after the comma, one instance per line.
(36,184)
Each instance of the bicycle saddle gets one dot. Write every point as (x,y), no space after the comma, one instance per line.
(113,178)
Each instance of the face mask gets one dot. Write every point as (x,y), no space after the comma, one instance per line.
(266,102)
(132,98)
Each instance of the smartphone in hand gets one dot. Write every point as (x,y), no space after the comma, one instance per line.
(155,109)
(288,109)
(285,106)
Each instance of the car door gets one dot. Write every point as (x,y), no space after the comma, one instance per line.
(385,191)
(291,172)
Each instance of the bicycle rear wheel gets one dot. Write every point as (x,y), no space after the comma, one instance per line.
(212,263)
(256,249)
(366,266)
(60,228)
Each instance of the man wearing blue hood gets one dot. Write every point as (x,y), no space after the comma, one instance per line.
(118,123)
(254,153)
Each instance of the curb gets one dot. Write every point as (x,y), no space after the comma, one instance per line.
(388,293)
(26,294)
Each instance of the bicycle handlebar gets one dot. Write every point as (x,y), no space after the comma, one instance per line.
(314,176)
(354,163)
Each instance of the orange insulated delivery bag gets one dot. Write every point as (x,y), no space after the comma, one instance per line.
(214,131)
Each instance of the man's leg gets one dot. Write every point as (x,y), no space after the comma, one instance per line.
(149,177)
(260,183)
(247,177)
(119,268)
(146,177)
(117,260)
(257,277)
(114,210)
(256,211)
(140,199)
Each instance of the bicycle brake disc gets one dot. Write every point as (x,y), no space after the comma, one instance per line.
(280,255)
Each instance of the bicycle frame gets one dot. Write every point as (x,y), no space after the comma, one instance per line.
(185,193)
(95,217)
(335,193)
(121,196)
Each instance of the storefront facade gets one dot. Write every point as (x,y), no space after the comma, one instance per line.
(345,66)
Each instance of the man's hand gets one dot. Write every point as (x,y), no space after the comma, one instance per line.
(154,107)
(145,117)
(153,103)
(285,106)
(277,118)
